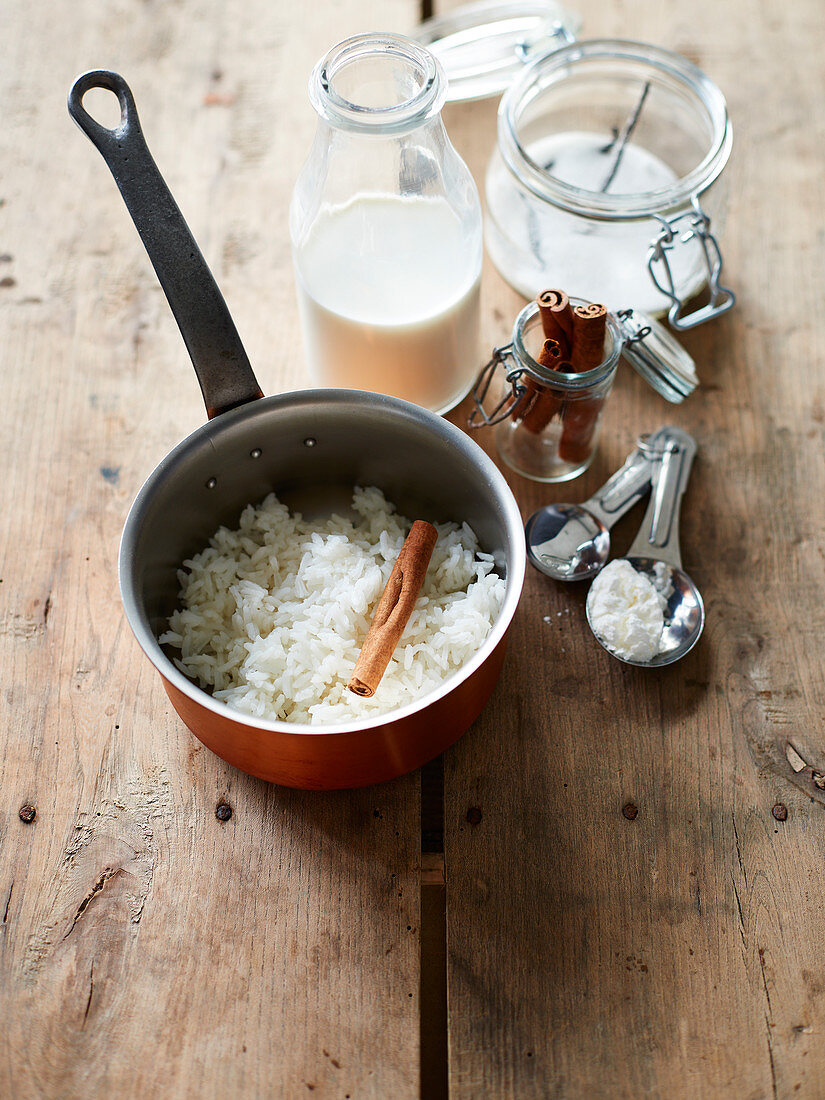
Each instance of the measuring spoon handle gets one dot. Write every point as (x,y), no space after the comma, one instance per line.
(658,536)
(627,486)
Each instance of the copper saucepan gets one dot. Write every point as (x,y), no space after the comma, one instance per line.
(311,447)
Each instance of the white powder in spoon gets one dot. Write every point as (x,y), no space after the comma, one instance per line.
(626,610)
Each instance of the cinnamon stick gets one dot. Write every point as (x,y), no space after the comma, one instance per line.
(579,421)
(540,404)
(589,325)
(581,414)
(394,608)
(557,318)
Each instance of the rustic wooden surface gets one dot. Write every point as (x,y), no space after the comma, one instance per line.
(675,954)
(147,948)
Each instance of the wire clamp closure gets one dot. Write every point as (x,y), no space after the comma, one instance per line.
(658,265)
(479,417)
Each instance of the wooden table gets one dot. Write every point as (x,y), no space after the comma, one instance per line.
(634,868)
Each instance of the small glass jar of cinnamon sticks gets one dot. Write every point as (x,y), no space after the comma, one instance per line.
(559,371)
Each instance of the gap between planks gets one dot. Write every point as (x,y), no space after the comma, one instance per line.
(433,937)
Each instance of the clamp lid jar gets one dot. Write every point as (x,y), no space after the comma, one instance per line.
(548,420)
(606,176)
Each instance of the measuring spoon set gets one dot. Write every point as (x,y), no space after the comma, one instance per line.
(571,542)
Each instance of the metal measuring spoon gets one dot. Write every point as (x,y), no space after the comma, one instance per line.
(658,542)
(571,542)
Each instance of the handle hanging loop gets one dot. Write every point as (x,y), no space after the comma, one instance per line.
(221,364)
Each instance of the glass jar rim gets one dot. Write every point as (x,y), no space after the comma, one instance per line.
(566,380)
(591,204)
(425,103)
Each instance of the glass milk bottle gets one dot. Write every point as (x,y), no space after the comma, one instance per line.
(386,229)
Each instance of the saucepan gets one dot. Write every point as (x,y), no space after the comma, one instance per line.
(310,447)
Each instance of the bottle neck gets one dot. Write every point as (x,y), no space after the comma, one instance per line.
(379,84)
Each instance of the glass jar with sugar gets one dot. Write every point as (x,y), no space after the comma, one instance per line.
(605,178)
(609,158)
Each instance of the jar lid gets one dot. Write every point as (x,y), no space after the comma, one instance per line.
(657,356)
(484,45)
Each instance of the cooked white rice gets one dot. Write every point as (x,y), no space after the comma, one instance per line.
(273,615)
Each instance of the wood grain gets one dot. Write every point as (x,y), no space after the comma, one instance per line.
(635,871)
(146,947)
(671,950)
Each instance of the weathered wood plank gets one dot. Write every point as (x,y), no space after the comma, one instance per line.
(148,948)
(673,953)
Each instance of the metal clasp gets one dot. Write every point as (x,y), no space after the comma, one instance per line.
(721,297)
(650,444)
(633,329)
(557,35)
(479,417)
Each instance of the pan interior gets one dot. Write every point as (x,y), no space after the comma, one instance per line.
(311,449)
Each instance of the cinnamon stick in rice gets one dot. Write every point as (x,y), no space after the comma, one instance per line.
(540,405)
(589,327)
(394,608)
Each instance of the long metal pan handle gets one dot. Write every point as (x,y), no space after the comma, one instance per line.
(221,364)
